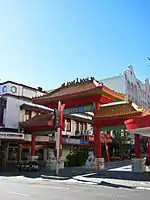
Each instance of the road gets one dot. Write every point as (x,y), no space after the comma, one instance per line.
(20,188)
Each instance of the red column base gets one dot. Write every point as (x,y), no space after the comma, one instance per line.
(137,146)
(97,142)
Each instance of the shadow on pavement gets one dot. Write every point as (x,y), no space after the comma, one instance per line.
(121,175)
(68,172)
(103,183)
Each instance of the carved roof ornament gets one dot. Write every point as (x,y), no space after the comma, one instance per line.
(78,81)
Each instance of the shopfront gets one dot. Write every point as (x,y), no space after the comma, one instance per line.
(73,145)
(9,148)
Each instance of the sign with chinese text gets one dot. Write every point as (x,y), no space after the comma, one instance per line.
(79,109)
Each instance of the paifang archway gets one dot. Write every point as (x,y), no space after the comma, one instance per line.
(113,116)
(86,95)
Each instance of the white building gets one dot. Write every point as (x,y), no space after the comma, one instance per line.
(12,96)
(127,83)
(16,106)
(16,94)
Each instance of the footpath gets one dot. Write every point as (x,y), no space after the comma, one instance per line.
(120,177)
(116,174)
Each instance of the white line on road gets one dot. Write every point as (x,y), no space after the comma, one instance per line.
(18,193)
(49,186)
(143,188)
(89,174)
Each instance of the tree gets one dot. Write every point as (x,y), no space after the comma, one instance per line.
(122,139)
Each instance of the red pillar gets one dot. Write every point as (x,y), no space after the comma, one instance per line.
(148,148)
(137,146)
(97,142)
(33,145)
(106,146)
(97,136)
(60,148)
(61,128)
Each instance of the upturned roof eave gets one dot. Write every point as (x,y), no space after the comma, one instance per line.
(43,100)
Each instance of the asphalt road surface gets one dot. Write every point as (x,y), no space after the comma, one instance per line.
(20,188)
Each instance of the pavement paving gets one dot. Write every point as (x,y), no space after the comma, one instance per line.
(120,177)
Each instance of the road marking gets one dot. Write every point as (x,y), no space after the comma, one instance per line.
(89,174)
(18,193)
(53,187)
(143,188)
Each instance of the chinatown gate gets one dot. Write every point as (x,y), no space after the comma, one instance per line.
(80,96)
(111,112)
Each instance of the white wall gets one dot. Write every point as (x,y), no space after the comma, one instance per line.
(12,115)
(116,83)
(136,90)
(19,90)
(73,129)
(128,84)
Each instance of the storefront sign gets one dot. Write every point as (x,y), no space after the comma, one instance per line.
(91,139)
(79,109)
(28,146)
(71,141)
(11,136)
(84,142)
(42,138)
(75,141)
(27,137)
(46,132)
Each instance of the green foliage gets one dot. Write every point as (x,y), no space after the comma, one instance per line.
(77,159)
(71,160)
(122,137)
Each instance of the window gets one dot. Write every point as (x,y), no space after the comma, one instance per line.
(81,126)
(13,153)
(25,152)
(85,126)
(77,126)
(40,154)
(68,125)
(27,115)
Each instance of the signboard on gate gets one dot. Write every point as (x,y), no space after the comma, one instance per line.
(79,109)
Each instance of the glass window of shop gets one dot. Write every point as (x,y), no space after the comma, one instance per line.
(13,152)
(40,154)
(25,152)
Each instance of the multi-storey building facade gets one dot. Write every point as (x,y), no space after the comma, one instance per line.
(16,106)
(12,96)
(127,83)
(15,95)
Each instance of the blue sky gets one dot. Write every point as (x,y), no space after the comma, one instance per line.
(48,42)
